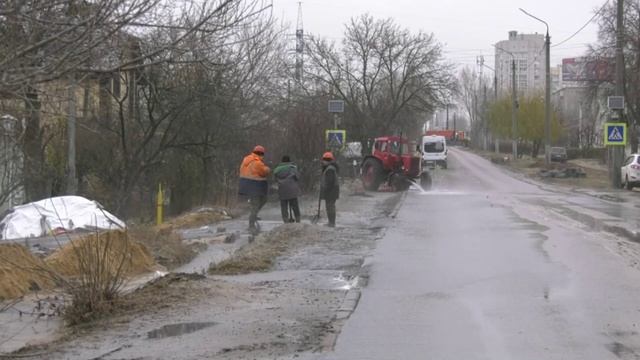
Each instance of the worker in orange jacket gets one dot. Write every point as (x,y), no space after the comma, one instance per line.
(253,182)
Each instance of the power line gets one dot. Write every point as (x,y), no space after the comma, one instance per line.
(583,26)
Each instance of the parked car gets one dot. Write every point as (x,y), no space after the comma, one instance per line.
(558,154)
(630,172)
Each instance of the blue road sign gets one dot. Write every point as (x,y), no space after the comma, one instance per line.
(335,139)
(615,134)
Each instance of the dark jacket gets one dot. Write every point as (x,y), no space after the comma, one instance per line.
(287,176)
(253,176)
(329,185)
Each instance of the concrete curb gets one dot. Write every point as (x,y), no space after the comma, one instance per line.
(349,304)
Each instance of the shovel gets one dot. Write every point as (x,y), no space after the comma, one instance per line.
(316,217)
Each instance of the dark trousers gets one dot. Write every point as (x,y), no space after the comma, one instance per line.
(284,209)
(256,203)
(330,206)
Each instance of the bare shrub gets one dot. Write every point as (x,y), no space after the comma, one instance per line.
(93,270)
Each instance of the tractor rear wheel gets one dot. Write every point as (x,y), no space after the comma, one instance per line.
(371,174)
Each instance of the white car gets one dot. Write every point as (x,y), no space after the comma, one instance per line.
(630,171)
(434,151)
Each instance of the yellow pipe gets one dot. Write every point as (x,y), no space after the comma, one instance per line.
(159,205)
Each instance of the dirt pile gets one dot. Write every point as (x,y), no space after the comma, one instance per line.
(114,250)
(167,247)
(196,218)
(260,255)
(21,272)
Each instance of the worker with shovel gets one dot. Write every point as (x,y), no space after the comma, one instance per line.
(287,176)
(253,183)
(329,186)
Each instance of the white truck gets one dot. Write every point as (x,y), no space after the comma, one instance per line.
(434,151)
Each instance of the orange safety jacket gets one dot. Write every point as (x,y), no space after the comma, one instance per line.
(253,176)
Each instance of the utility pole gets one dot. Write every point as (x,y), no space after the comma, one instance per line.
(299,46)
(455,116)
(547,99)
(616,153)
(514,105)
(72,178)
(547,89)
(484,122)
(447,123)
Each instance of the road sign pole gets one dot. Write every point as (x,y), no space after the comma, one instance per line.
(616,153)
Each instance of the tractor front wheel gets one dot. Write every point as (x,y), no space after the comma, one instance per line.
(425,181)
(399,182)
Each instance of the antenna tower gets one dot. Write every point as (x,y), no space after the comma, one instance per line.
(299,45)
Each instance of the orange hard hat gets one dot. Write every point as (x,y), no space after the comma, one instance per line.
(328,156)
(259,149)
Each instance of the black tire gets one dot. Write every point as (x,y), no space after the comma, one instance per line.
(371,174)
(399,183)
(425,181)
(627,184)
(444,164)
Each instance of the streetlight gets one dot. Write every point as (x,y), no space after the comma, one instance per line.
(514,104)
(547,90)
(483,125)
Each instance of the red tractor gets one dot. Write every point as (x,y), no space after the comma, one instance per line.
(391,162)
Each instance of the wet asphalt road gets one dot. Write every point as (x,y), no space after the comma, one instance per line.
(487,266)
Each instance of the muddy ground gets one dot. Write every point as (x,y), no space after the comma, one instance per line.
(596,174)
(296,306)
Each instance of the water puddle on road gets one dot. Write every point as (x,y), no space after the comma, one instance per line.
(178,329)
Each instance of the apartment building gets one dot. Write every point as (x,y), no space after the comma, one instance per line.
(527,50)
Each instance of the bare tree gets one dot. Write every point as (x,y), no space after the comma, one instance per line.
(44,41)
(605,47)
(388,77)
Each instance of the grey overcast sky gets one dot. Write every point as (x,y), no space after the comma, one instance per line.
(466,28)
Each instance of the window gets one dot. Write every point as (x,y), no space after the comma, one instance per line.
(434,147)
(395,148)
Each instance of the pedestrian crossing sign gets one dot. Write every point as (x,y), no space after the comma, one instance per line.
(615,134)
(335,139)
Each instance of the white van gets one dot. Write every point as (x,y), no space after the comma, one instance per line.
(434,151)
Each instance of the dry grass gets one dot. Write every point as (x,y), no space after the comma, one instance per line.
(91,269)
(201,217)
(118,252)
(167,247)
(260,255)
(21,272)
(596,179)
(175,289)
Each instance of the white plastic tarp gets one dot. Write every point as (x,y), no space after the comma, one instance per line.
(64,213)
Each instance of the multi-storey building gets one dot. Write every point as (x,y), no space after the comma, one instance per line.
(528,52)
